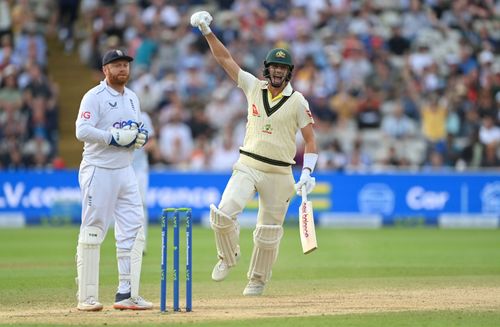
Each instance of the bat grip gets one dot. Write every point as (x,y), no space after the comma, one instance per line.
(304,193)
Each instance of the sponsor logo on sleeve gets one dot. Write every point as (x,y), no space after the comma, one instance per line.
(85,115)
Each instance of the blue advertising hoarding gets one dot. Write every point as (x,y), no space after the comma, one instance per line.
(54,197)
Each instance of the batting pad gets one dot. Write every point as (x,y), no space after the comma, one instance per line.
(227,236)
(134,256)
(266,239)
(87,262)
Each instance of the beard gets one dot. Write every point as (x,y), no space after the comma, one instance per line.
(118,79)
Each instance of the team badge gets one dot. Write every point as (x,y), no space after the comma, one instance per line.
(280,54)
(267,129)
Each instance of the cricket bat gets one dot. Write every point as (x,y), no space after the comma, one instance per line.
(306,225)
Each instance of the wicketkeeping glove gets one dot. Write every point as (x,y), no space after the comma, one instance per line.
(202,20)
(305,180)
(142,138)
(123,137)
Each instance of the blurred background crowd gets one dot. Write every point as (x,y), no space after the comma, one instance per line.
(392,84)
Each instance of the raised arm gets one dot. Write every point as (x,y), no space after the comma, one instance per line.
(202,20)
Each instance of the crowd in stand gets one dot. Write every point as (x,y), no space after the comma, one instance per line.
(403,84)
(28,98)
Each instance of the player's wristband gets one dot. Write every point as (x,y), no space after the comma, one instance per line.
(310,160)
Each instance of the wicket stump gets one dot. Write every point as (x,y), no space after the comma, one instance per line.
(176,221)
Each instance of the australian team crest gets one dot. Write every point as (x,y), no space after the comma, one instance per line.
(268,129)
(280,54)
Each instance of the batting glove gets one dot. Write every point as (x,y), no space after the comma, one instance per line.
(305,180)
(202,20)
(123,137)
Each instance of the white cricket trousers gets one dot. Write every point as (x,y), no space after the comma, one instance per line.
(111,195)
(275,192)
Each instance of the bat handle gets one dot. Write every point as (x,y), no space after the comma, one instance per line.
(304,194)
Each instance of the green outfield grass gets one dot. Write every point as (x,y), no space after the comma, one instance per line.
(355,278)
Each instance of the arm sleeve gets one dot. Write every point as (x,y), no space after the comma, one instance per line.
(246,81)
(88,116)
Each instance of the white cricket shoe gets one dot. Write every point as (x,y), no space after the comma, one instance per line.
(220,271)
(125,302)
(90,304)
(254,288)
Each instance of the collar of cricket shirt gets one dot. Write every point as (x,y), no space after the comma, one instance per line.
(287,91)
(111,90)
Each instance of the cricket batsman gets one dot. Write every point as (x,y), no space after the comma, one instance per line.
(276,112)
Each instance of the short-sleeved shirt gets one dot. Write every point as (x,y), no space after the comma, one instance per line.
(102,108)
(272,125)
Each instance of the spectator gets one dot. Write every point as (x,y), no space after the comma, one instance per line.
(37,84)
(489,133)
(332,157)
(358,159)
(473,153)
(67,14)
(368,111)
(434,115)
(6,52)
(226,154)
(199,123)
(397,125)
(219,111)
(345,104)
(176,141)
(9,90)
(343,51)
(435,163)
(31,45)
(5,19)
(37,150)
(397,44)
(393,160)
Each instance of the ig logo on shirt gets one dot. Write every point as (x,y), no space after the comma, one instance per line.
(85,115)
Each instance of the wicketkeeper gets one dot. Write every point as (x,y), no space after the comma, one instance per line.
(108,125)
(276,113)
